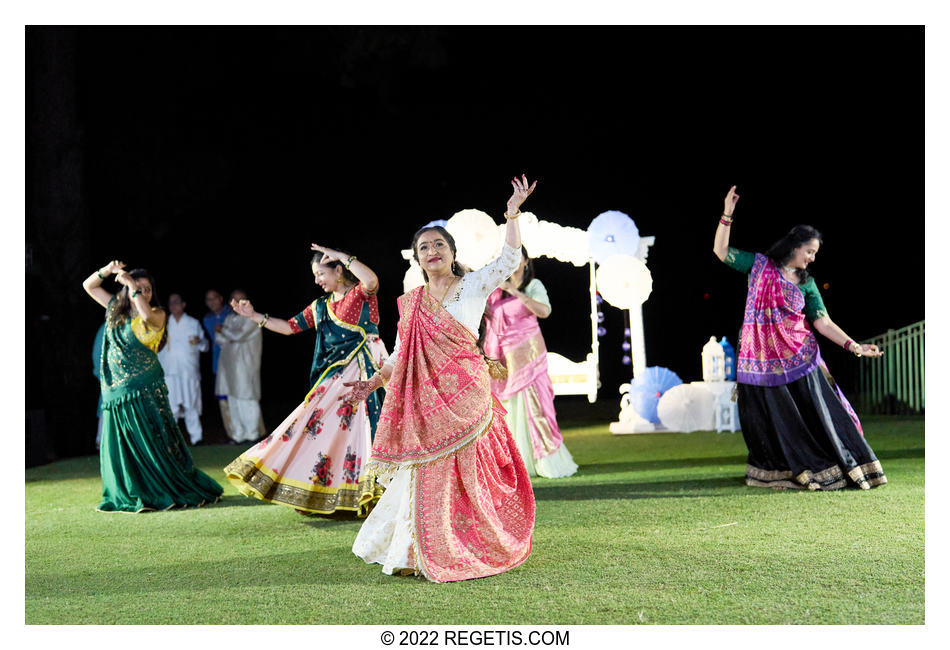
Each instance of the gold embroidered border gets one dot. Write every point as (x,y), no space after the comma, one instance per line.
(868,475)
(832,478)
(252,482)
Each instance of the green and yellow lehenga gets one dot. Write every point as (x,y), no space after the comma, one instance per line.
(143,459)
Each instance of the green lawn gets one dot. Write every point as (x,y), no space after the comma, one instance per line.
(653,529)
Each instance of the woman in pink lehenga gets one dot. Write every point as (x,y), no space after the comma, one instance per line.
(459,503)
(512,333)
(314,461)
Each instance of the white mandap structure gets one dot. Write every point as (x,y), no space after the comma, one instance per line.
(479,240)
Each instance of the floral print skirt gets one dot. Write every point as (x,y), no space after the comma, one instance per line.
(313,461)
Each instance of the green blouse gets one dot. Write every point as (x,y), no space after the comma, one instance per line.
(814,306)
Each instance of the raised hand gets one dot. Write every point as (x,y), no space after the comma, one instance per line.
(329,255)
(114,266)
(125,279)
(729,204)
(520,192)
(243,307)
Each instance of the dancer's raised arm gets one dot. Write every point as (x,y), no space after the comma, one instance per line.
(246,309)
(140,295)
(721,244)
(520,192)
(363,273)
(93,284)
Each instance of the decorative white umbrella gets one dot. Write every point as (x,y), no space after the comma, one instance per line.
(624,281)
(686,408)
(612,233)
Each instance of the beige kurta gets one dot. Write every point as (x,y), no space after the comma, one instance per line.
(239,364)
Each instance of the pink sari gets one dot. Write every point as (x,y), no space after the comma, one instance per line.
(512,334)
(473,511)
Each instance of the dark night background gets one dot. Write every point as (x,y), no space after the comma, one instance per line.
(214,156)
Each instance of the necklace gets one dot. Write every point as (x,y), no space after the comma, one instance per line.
(446,292)
(339,296)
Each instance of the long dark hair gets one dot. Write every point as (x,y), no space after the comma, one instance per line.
(781,251)
(122,308)
(457,269)
(528,269)
(347,275)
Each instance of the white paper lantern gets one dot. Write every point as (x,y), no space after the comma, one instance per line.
(477,237)
(624,281)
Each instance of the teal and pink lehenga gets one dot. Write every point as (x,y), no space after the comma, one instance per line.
(313,462)
(800,430)
(143,459)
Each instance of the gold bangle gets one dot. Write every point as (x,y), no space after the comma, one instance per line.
(263,322)
(347,263)
(512,216)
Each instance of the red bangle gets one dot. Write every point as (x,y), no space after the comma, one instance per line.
(848,344)
(724,221)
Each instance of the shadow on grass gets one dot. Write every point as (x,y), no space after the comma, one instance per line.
(895,454)
(684,489)
(667,463)
(313,568)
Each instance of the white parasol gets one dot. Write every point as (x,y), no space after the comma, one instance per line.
(687,408)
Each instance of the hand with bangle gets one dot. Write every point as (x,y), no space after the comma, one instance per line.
(862,349)
(729,206)
(330,255)
(520,192)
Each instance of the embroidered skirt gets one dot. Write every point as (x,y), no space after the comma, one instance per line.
(313,461)
(801,436)
(467,515)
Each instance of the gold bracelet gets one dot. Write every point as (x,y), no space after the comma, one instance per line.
(347,263)
(512,216)
(263,322)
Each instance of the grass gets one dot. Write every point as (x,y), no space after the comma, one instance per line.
(655,529)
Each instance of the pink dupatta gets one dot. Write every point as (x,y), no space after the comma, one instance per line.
(473,506)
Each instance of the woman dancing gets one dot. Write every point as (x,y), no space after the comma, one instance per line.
(143,459)
(800,430)
(512,333)
(315,460)
(459,504)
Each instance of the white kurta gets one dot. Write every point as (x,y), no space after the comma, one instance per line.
(386,535)
(180,361)
(239,363)
(239,375)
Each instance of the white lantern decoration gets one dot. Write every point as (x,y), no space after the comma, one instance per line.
(477,237)
(714,361)
(624,281)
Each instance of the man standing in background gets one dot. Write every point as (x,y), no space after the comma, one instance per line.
(180,361)
(217,313)
(239,373)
